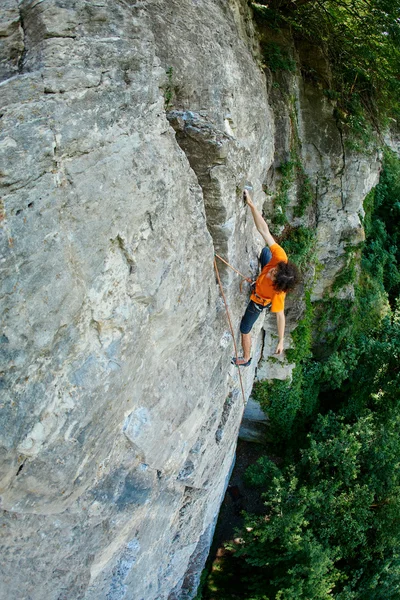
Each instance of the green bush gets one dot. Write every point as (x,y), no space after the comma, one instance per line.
(299,244)
(331,522)
(277,58)
(382,252)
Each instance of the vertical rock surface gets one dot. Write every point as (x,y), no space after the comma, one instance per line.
(120,408)
(128,130)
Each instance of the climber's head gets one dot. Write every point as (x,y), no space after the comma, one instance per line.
(285,276)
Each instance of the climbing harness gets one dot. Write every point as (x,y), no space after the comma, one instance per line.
(265,303)
(229,317)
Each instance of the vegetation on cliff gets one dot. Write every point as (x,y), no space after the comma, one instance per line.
(359,39)
(330,481)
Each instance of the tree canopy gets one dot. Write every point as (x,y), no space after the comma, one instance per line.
(361,43)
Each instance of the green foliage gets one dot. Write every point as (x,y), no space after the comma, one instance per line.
(366,219)
(305,195)
(338,367)
(331,522)
(348,273)
(169,90)
(277,58)
(382,253)
(299,244)
(375,382)
(287,561)
(361,40)
(292,172)
(281,201)
(282,401)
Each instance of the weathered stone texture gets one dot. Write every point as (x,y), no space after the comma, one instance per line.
(11,39)
(342,179)
(120,409)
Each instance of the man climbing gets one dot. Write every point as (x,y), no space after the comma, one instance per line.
(277,277)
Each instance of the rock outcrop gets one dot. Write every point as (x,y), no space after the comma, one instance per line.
(339,178)
(128,130)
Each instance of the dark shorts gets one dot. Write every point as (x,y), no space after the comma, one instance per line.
(254,310)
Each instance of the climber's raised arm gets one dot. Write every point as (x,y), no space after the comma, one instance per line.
(259,221)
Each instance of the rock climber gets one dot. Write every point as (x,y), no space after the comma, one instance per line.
(278,276)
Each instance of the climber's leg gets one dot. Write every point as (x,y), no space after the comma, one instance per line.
(251,315)
(246,345)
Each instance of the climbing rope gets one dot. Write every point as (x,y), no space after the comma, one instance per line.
(233,269)
(244,278)
(229,317)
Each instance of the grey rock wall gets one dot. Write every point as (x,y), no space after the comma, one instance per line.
(128,130)
(120,409)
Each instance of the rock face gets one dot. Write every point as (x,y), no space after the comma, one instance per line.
(128,130)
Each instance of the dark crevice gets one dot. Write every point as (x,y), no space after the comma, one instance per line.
(124,250)
(224,417)
(262,348)
(319,152)
(55,147)
(23,53)
(316,205)
(205,147)
(62,37)
(342,169)
(97,328)
(150,221)
(21,467)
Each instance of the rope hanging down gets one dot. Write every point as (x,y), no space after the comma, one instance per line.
(244,278)
(229,317)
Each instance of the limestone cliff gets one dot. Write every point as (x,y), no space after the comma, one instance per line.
(128,130)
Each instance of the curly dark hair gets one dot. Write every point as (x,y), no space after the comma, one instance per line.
(287,277)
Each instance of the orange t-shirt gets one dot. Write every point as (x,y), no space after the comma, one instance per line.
(264,285)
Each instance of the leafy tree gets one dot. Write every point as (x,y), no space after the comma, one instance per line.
(383,246)
(331,525)
(361,41)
